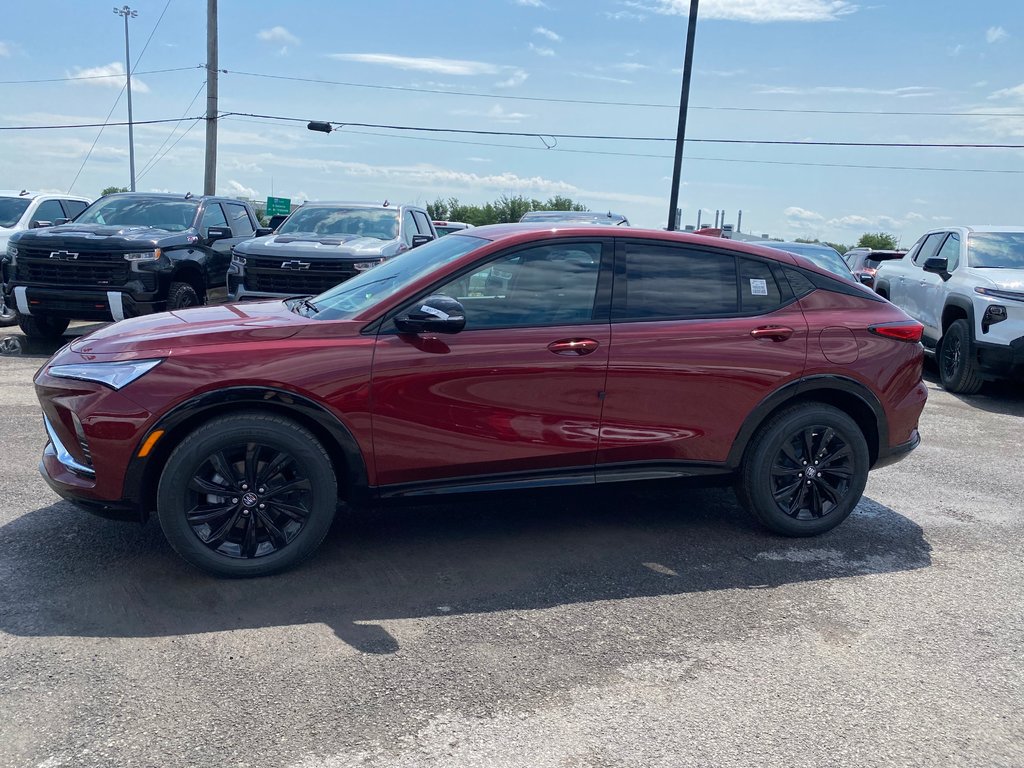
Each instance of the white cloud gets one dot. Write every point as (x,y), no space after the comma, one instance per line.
(904,92)
(956,49)
(422,64)
(111,76)
(722,72)
(630,66)
(278,35)
(1017,92)
(802,217)
(541,51)
(518,77)
(754,11)
(602,78)
(236,189)
(996,34)
(624,16)
(5,49)
(545,32)
(496,113)
(532,3)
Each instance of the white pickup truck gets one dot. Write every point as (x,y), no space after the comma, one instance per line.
(966,286)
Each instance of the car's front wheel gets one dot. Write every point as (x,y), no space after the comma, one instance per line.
(181,296)
(42,327)
(8,315)
(958,369)
(247,495)
(805,470)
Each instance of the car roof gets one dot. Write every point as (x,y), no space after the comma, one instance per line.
(25,194)
(353,204)
(987,228)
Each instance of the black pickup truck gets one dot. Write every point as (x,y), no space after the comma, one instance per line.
(127,254)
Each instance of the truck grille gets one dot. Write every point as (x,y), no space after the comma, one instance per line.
(88,269)
(265,275)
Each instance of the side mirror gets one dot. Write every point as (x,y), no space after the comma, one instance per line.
(936,265)
(263,231)
(418,240)
(434,314)
(213,234)
(866,278)
(39,224)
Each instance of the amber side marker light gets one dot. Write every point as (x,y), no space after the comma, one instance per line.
(900,331)
(150,442)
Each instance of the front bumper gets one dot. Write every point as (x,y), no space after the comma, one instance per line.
(82,304)
(1001,360)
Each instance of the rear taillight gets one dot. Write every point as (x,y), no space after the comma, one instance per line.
(905,331)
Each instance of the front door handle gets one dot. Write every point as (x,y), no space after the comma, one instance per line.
(574,347)
(773,332)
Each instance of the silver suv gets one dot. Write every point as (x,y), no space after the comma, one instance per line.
(322,244)
(966,286)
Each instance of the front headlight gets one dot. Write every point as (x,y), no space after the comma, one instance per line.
(362,266)
(153,255)
(999,294)
(237,261)
(113,375)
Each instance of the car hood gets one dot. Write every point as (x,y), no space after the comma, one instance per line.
(323,246)
(164,332)
(1005,279)
(104,235)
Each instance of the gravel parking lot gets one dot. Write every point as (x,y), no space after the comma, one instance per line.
(651,626)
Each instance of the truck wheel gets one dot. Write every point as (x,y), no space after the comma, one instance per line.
(958,368)
(8,315)
(181,295)
(42,327)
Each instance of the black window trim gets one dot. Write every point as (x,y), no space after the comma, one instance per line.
(602,294)
(226,207)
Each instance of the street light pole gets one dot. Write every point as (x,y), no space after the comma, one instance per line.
(128,12)
(684,99)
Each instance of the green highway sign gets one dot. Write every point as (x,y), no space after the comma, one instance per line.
(279,205)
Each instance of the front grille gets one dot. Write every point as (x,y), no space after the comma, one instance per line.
(265,275)
(87,269)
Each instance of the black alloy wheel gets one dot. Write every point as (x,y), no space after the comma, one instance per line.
(247,495)
(957,367)
(805,470)
(181,296)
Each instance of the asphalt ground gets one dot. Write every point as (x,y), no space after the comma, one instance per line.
(627,626)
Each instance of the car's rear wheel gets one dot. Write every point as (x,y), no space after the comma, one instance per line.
(182,295)
(247,495)
(958,368)
(805,470)
(42,327)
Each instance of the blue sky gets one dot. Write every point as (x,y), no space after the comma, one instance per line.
(804,59)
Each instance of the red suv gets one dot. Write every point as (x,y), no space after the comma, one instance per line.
(497,358)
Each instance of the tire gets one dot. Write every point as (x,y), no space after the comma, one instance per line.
(958,368)
(42,327)
(209,499)
(8,315)
(182,295)
(787,493)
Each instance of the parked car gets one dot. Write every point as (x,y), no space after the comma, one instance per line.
(243,425)
(863,262)
(575,217)
(323,244)
(127,254)
(24,210)
(966,286)
(825,256)
(447,227)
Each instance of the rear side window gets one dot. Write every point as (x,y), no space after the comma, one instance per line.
(759,293)
(241,225)
(674,282)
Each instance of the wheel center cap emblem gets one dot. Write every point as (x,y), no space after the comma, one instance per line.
(810,472)
(250,499)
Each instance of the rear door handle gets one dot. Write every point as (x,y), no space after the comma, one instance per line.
(573,347)
(773,332)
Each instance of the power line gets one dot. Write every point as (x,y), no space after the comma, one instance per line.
(656,156)
(148,39)
(544,135)
(97,77)
(91,125)
(152,160)
(195,122)
(598,102)
(98,134)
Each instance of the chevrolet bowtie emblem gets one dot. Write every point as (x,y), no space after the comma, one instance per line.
(63,255)
(294,265)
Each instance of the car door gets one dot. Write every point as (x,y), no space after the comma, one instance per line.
(699,336)
(218,253)
(914,282)
(518,391)
(933,286)
(423,224)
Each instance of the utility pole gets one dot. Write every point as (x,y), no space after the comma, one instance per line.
(210,178)
(128,12)
(684,100)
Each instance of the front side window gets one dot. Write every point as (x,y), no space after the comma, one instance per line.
(408,227)
(135,211)
(422,223)
(213,216)
(49,210)
(1003,250)
(928,248)
(544,285)
(241,224)
(663,282)
(378,223)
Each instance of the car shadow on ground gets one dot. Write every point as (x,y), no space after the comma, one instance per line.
(66,573)
(15,343)
(1003,396)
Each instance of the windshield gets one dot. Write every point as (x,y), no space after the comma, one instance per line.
(11,209)
(332,220)
(1003,250)
(135,211)
(581,217)
(346,299)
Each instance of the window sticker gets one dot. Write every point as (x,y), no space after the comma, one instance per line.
(758,287)
(437,312)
